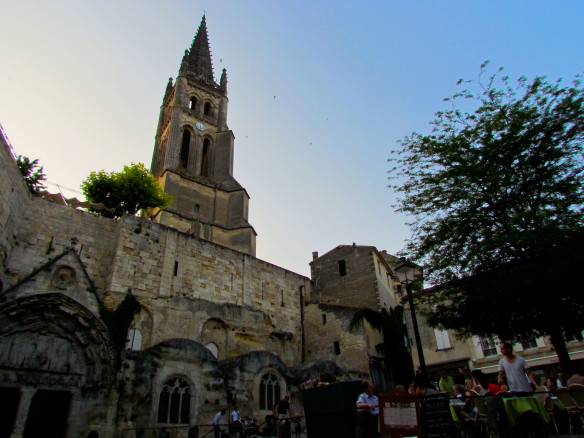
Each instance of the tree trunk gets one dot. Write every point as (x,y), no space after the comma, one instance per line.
(559,344)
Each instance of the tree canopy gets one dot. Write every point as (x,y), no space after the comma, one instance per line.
(32,173)
(496,193)
(127,192)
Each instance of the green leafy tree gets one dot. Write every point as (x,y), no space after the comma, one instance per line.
(32,173)
(398,362)
(127,192)
(496,196)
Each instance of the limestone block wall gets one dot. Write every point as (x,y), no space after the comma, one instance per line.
(326,325)
(14,199)
(175,273)
(386,283)
(209,212)
(356,288)
(46,229)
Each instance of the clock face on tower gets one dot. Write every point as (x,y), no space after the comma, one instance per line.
(200,126)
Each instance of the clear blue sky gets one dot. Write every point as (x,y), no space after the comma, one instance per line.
(320,92)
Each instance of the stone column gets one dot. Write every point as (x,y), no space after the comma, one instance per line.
(74,423)
(26,395)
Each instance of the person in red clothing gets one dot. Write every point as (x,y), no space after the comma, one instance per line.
(483,386)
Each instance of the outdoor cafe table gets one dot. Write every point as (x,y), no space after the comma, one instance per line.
(515,406)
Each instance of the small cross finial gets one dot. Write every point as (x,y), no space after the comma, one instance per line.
(204,12)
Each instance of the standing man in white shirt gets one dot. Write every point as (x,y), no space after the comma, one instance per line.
(516,370)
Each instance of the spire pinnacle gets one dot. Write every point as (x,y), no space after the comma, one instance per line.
(197,60)
(223,81)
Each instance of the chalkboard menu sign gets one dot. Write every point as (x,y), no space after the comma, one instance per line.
(436,416)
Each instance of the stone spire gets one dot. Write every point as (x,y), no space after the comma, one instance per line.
(197,60)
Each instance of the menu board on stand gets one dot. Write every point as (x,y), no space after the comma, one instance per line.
(408,415)
(400,414)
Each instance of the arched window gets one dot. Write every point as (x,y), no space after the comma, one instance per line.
(205,157)
(213,349)
(269,391)
(207,109)
(175,402)
(134,341)
(193,103)
(184,149)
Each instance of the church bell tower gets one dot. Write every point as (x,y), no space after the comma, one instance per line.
(193,155)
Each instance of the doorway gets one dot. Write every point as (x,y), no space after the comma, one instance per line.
(48,414)
(9,398)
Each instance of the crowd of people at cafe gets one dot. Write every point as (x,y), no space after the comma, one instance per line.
(513,377)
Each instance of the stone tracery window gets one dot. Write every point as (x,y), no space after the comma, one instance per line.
(175,402)
(269,391)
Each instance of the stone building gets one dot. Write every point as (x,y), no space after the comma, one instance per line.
(344,279)
(123,327)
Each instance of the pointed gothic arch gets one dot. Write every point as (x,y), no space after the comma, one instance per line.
(270,387)
(174,401)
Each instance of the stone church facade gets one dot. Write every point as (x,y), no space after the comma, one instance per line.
(118,328)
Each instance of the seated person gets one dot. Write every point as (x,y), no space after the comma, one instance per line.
(577,378)
(424,386)
(482,384)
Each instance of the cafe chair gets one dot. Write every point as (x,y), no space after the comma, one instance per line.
(543,396)
(491,416)
(577,393)
(567,400)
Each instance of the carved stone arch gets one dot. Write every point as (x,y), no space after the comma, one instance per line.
(53,333)
(216,331)
(52,343)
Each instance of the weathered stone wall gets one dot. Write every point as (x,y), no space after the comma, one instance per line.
(357,288)
(386,282)
(14,200)
(48,229)
(327,324)
(182,281)
(145,373)
(185,281)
